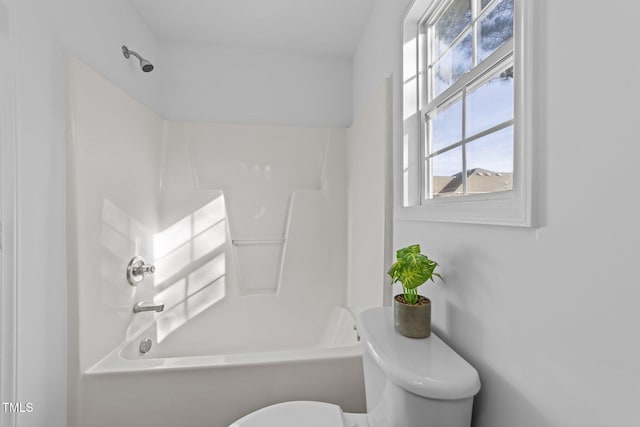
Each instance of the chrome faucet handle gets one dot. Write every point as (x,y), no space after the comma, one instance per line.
(137,269)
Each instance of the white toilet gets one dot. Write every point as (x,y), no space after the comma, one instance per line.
(408,382)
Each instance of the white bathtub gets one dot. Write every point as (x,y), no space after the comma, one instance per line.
(220,366)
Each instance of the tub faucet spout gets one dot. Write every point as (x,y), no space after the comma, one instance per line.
(147,306)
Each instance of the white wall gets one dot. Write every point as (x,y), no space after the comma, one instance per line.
(369,201)
(220,84)
(94,31)
(44,32)
(549,315)
(7,213)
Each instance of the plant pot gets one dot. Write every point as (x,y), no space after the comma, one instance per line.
(412,320)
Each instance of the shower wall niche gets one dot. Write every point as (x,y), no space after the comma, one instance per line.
(224,211)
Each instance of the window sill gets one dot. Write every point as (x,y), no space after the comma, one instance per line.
(496,209)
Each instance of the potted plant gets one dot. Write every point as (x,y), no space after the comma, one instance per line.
(412,312)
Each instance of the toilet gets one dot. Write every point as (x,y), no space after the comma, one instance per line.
(408,383)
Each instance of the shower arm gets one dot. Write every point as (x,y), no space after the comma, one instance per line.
(126,52)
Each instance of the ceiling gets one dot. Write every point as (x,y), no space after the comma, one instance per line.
(315,27)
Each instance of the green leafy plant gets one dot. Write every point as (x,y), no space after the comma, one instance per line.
(412,269)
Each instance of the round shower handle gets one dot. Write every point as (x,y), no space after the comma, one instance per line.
(137,269)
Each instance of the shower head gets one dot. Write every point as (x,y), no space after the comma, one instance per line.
(144,64)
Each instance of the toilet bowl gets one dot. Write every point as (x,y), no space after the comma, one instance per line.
(301,413)
(408,383)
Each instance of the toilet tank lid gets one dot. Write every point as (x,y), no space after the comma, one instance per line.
(294,414)
(427,367)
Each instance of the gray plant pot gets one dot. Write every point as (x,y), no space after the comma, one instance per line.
(412,320)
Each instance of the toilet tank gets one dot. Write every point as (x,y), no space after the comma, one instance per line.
(413,382)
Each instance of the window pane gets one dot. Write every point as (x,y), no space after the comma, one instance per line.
(490,103)
(490,163)
(446,126)
(446,176)
(454,20)
(485,3)
(452,65)
(495,28)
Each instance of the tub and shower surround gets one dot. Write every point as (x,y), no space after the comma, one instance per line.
(112,196)
(246,226)
(284,192)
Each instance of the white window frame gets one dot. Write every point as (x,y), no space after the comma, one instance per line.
(514,208)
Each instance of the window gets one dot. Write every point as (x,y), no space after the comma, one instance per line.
(466,153)
(468,116)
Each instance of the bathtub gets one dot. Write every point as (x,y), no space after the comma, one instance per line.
(220,366)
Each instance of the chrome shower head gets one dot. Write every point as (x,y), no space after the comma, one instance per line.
(144,64)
